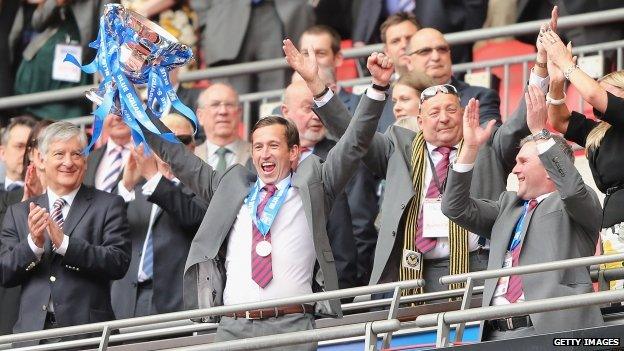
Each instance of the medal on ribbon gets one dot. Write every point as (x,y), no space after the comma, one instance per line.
(132,50)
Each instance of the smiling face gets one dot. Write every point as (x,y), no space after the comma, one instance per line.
(64,165)
(406,101)
(297,107)
(430,54)
(271,155)
(533,179)
(220,113)
(440,120)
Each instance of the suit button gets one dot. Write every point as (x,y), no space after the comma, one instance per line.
(394,233)
(52,278)
(402,206)
(44,307)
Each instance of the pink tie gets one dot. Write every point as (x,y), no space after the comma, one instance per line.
(514,290)
(423,244)
(261,268)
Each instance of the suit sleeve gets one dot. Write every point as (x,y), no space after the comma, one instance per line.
(190,169)
(506,139)
(579,200)
(475,215)
(17,260)
(489,106)
(342,160)
(335,116)
(185,207)
(111,258)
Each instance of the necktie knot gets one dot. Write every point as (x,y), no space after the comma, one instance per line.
(270,189)
(117,150)
(59,203)
(445,151)
(532,204)
(222,151)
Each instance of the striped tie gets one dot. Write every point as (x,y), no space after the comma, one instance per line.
(514,290)
(116,156)
(148,256)
(57,212)
(423,244)
(261,267)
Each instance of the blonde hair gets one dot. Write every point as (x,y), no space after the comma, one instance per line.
(415,80)
(595,136)
(410,123)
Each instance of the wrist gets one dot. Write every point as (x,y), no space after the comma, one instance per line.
(381,83)
(317,86)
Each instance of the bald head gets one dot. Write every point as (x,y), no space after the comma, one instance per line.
(181,128)
(220,113)
(297,106)
(429,52)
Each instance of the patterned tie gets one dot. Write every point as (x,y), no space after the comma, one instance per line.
(261,268)
(514,289)
(423,244)
(222,162)
(57,212)
(116,156)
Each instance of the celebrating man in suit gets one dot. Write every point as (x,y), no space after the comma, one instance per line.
(219,112)
(553,216)
(429,53)
(105,165)
(270,253)
(164,216)
(66,246)
(408,160)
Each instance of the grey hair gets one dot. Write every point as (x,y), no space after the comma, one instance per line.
(59,131)
(560,142)
(26,121)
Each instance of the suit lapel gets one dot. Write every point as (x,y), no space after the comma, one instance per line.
(304,192)
(81,203)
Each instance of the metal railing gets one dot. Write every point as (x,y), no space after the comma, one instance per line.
(592,18)
(106,327)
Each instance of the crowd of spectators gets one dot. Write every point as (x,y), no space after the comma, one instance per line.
(406,181)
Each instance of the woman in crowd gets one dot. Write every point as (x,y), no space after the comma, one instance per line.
(603,139)
(406,99)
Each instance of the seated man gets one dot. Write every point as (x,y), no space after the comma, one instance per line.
(243,253)
(66,246)
(553,216)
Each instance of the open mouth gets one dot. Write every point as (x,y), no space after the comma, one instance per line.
(268,167)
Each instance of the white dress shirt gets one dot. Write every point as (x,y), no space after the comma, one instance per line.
(8,181)
(293,255)
(103,167)
(213,158)
(52,197)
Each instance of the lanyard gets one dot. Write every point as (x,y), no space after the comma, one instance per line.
(435,174)
(518,229)
(270,210)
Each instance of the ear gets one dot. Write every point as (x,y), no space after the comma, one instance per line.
(284,110)
(2,152)
(409,64)
(420,121)
(294,153)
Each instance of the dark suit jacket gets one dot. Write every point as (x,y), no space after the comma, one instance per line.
(9,297)
(489,101)
(98,252)
(173,229)
(93,162)
(564,225)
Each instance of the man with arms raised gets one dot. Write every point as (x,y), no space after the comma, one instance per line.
(270,252)
(66,246)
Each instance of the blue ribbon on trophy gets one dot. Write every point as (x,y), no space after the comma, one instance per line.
(132,50)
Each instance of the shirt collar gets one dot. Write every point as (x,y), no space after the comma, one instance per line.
(52,197)
(280,185)
(431,147)
(212,148)
(8,181)
(543,196)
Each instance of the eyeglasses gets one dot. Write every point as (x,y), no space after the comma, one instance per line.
(426,51)
(185,139)
(434,90)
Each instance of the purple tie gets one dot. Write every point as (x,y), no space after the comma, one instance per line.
(514,290)
(423,244)
(261,268)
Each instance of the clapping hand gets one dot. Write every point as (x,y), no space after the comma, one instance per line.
(38,219)
(537,111)
(32,184)
(552,25)
(380,67)
(558,52)
(475,135)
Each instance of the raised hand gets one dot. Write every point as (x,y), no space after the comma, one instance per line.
(380,67)
(147,165)
(558,52)
(552,25)
(305,65)
(38,219)
(475,135)
(537,111)
(131,174)
(32,183)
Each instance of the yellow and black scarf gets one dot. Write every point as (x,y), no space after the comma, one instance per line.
(458,236)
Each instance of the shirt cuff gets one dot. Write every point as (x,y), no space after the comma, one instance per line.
(63,248)
(38,251)
(543,147)
(542,83)
(463,167)
(375,94)
(150,186)
(125,193)
(324,99)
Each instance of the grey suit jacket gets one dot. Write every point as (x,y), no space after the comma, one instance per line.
(390,155)
(318,184)
(225,22)
(242,151)
(564,225)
